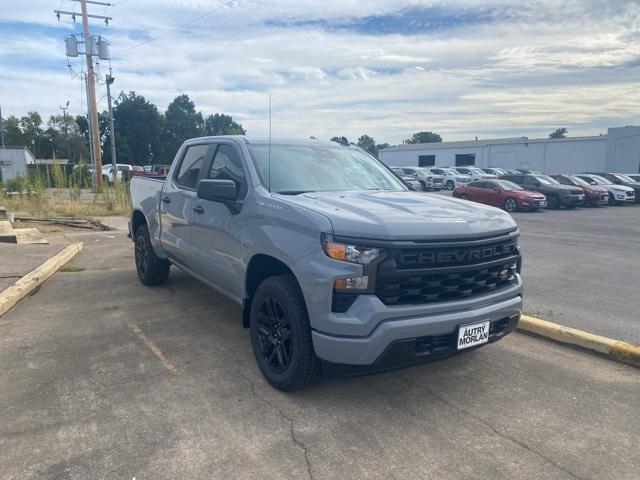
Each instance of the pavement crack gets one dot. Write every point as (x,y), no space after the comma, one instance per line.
(494,429)
(292,432)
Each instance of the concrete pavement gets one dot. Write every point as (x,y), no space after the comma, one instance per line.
(87,390)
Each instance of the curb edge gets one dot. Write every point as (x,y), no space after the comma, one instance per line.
(25,285)
(617,350)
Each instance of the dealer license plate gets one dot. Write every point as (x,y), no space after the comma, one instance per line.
(473,334)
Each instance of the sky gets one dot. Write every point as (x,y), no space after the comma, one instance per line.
(385,68)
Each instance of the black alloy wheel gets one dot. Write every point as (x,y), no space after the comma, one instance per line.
(552,202)
(274,335)
(450,185)
(281,334)
(151,269)
(464,197)
(142,255)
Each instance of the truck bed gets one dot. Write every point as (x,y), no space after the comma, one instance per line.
(145,192)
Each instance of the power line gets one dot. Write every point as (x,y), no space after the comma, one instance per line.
(193,20)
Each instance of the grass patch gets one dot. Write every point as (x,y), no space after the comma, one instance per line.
(69,268)
(58,196)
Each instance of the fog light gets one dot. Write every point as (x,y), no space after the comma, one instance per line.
(351,283)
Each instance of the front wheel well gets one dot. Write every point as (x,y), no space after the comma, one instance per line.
(260,268)
(137,220)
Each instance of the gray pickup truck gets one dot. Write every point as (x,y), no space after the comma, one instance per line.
(337,266)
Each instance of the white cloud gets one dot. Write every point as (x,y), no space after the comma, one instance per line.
(525,69)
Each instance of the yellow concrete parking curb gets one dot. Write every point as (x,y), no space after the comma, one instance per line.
(12,295)
(615,349)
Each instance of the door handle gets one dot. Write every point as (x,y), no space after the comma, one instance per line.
(166,200)
(198,209)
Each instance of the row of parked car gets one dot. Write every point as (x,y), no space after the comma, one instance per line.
(437,178)
(525,189)
(532,190)
(124,171)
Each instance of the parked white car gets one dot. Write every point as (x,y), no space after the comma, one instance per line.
(475,173)
(123,171)
(408,179)
(452,179)
(428,180)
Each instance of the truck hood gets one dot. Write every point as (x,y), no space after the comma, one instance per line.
(404,215)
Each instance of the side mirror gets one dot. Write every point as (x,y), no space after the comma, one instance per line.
(222,191)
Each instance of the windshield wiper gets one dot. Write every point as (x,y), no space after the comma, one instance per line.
(293,192)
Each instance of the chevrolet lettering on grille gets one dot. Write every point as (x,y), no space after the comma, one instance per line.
(461,257)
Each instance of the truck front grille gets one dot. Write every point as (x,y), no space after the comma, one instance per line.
(439,274)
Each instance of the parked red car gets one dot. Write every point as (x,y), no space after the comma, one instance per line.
(593,194)
(502,194)
(154,171)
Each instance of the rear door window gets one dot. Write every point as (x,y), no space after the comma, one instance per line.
(192,162)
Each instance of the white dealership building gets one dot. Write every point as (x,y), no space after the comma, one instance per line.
(617,151)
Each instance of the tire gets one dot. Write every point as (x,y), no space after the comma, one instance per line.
(450,185)
(281,334)
(152,270)
(423,186)
(552,202)
(612,200)
(464,197)
(510,204)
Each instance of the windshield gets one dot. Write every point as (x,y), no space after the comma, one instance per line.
(579,181)
(543,179)
(507,185)
(624,178)
(476,171)
(599,180)
(298,169)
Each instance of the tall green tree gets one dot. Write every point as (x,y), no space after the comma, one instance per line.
(138,126)
(32,133)
(221,124)
(424,137)
(368,144)
(64,137)
(559,133)
(181,122)
(12,132)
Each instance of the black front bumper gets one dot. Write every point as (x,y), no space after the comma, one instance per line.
(571,201)
(596,200)
(412,351)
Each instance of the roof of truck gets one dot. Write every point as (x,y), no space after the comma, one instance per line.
(274,140)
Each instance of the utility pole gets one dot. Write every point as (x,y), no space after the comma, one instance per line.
(90,48)
(64,128)
(112,131)
(91,90)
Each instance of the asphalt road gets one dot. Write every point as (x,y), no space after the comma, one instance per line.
(582,268)
(101,377)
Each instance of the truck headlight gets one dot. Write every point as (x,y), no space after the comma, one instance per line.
(349,253)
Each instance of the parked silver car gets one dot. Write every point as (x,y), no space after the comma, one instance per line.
(428,180)
(452,179)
